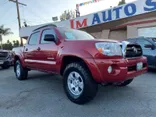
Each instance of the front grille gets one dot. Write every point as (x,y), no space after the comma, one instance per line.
(3,55)
(133,50)
(134,67)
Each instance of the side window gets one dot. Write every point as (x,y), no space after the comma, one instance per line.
(34,38)
(142,43)
(47,31)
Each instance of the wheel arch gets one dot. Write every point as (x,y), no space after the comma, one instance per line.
(16,57)
(69,59)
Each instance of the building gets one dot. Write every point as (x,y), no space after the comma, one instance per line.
(121,22)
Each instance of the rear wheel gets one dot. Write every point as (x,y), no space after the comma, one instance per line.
(21,73)
(79,86)
(124,83)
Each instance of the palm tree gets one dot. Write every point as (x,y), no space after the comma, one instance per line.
(4,32)
(122,2)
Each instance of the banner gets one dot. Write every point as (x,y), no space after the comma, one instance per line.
(86,3)
(123,11)
(82,4)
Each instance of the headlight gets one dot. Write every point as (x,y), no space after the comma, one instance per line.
(109,48)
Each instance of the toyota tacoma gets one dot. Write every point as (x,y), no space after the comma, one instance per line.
(83,61)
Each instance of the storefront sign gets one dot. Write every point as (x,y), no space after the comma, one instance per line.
(124,11)
(120,12)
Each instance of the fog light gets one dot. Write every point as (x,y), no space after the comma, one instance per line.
(110,69)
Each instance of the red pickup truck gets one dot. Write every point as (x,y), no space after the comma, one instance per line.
(83,61)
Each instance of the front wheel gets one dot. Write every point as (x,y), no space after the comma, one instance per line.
(124,83)
(21,73)
(79,86)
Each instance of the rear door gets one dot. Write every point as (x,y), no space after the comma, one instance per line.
(47,52)
(148,52)
(30,50)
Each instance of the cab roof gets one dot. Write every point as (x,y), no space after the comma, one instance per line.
(44,26)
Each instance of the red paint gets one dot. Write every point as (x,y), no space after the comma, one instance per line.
(78,23)
(83,49)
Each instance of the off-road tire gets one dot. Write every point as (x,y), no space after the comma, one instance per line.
(90,86)
(23,71)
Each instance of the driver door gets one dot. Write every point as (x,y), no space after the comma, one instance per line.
(47,51)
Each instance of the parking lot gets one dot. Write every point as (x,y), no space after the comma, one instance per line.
(42,95)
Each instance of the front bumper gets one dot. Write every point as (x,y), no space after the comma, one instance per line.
(1,62)
(5,62)
(123,69)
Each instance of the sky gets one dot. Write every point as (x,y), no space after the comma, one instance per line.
(42,11)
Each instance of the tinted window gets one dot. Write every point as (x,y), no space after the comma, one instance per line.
(34,38)
(71,34)
(47,31)
(142,43)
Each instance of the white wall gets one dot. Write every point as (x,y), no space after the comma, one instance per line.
(133,31)
(118,35)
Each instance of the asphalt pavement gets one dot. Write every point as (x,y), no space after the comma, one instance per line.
(42,95)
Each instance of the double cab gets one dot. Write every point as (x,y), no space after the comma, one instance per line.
(83,61)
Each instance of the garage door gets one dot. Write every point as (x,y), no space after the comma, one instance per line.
(147,32)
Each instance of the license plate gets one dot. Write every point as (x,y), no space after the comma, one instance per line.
(139,66)
(1,62)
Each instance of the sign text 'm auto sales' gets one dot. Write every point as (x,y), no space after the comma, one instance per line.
(124,11)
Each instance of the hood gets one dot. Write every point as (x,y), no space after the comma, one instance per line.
(85,44)
(93,40)
(123,44)
(4,51)
(89,45)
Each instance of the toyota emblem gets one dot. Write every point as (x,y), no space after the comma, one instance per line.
(135,49)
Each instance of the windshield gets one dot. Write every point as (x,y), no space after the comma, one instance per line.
(72,34)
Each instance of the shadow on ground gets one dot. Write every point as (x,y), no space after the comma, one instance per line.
(105,93)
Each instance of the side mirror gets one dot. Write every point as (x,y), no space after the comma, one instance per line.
(150,46)
(49,37)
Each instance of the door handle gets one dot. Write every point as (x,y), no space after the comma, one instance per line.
(26,49)
(38,48)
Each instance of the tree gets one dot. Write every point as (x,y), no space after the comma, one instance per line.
(122,2)
(16,43)
(8,45)
(66,15)
(4,32)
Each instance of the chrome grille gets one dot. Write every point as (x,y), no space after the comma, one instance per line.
(133,50)
(3,55)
